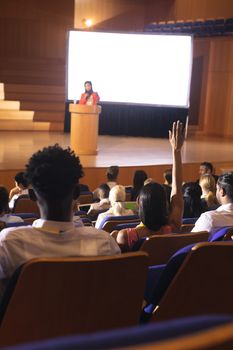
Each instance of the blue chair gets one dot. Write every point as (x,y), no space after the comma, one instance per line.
(189,220)
(133,336)
(198,280)
(119,227)
(109,222)
(223,234)
(17,224)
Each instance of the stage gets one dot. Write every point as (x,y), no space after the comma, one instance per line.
(130,153)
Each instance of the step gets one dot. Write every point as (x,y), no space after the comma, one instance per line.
(16,115)
(11,105)
(2,95)
(23,125)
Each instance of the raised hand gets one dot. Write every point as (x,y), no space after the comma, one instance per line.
(177,135)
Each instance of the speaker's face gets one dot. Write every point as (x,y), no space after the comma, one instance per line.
(88,86)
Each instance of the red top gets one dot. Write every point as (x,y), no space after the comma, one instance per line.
(94,97)
(133,235)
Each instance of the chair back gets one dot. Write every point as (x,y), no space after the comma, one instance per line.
(203,283)
(109,222)
(161,247)
(185,228)
(56,297)
(85,197)
(24,204)
(223,234)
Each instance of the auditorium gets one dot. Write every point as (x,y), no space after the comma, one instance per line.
(116,174)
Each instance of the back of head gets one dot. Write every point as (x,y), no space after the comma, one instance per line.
(168,176)
(225,181)
(112,172)
(193,206)
(104,190)
(207,183)
(117,194)
(153,206)
(4,198)
(54,172)
(21,179)
(139,177)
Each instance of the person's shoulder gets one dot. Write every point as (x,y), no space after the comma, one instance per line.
(10,233)
(90,231)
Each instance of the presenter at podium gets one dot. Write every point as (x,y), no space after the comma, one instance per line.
(89,97)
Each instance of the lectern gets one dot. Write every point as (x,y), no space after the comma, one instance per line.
(84,128)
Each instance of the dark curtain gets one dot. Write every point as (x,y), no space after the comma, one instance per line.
(135,120)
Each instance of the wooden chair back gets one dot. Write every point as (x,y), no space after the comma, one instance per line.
(56,297)
(109,226)
(160,248)
(24,204)
(202,285)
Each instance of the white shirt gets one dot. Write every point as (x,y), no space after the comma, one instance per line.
(51,239)
(213,220)
(8,218)
(111,212)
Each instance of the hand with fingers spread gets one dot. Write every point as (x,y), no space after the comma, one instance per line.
(177,135)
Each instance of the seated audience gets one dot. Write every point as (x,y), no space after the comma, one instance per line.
(112,174)
(138,181)
(153,209)
(21,188)
(117,198)
(103,204)
(207,168)
(4,208)
(213,220)
(54,174)
(208,187)
(194,206)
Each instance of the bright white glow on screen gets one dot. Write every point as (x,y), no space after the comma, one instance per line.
(131,68)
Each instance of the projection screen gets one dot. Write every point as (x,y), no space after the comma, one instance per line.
(130,68)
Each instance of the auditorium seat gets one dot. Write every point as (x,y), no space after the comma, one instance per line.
(24,204)
(185,333)
(109,222)
(160,248)
(223,234)
(56,297)
(197,280)
(85,197)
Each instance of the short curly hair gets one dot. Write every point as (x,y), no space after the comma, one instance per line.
(54,172)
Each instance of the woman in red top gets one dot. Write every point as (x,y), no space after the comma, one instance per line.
(153,209)
(89,97)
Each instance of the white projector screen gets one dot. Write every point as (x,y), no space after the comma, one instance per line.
(133,68)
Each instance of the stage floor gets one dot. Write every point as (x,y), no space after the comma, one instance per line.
(17,147)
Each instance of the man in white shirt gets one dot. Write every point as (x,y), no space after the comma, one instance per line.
(54,174)
(213,220)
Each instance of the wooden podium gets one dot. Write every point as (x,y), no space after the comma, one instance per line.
(84,128)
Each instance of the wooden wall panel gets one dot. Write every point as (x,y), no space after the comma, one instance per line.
(111,14)
(218,118)
(163,10)
(33,49)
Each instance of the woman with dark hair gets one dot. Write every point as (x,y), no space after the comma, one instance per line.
(138,181)
(194,206)
(153,210)
(89,97)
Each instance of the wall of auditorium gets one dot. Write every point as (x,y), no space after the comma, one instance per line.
(218,113)
(163,10)
(111,14)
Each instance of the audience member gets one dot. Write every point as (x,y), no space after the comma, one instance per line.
(103,204)
(153,211)
(4,208)
(138,181)
(21,188)
(194,206)
(212,220)
(117,197)
(208,187)
(54,174)
(112,175)
(207,168)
